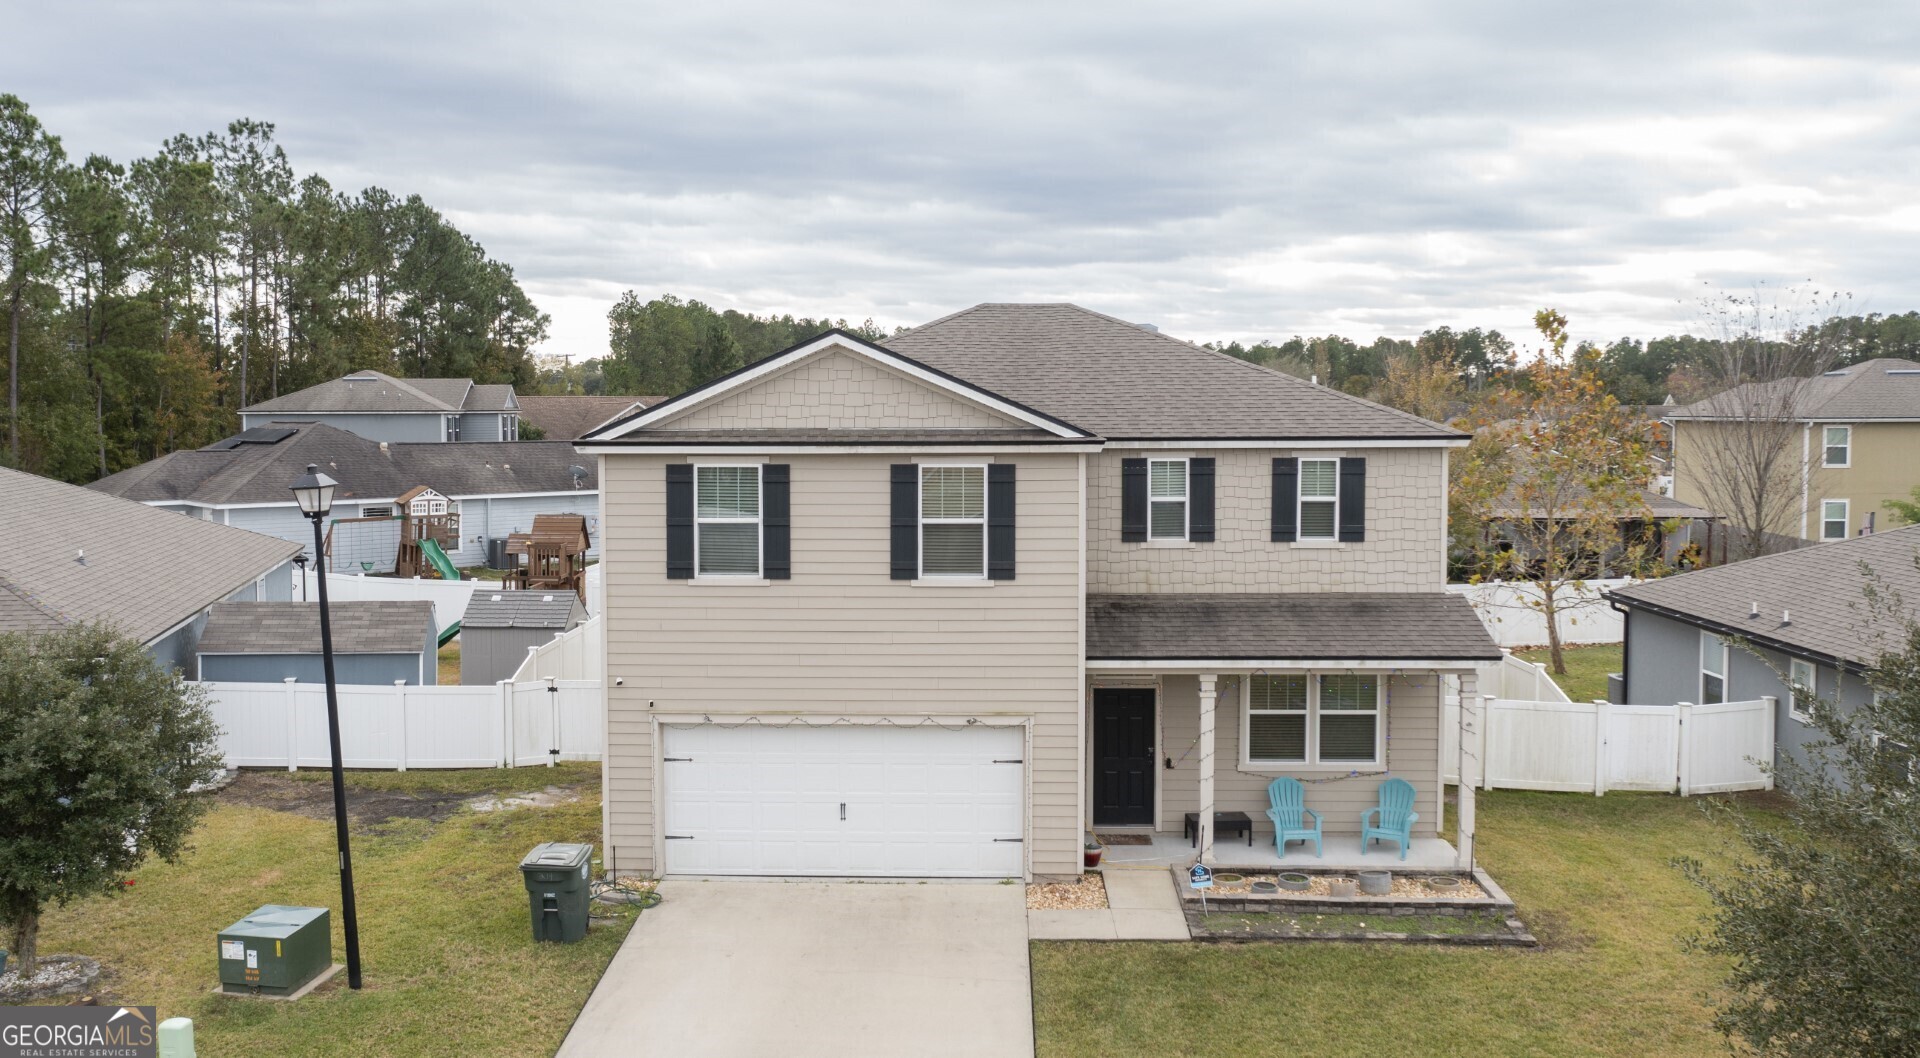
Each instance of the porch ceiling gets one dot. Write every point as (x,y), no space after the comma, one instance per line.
(1432,627)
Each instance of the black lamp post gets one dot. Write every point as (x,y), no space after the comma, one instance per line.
(314,490)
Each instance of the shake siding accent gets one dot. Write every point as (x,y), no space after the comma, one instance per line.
(838,389)
(1413,754)
(841,637)
(1405,529)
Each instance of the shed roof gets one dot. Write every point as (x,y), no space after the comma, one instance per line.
(384,626)
(1359,626)
(1811,600)
(520,609)
(259,472)
(69,554)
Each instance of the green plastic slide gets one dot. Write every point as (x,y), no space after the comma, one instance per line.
(439,559)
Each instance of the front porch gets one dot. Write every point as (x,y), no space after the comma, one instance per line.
(1342,854)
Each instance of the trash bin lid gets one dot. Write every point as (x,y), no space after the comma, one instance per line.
(550,855)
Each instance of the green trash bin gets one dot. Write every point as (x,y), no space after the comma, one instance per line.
(558,892)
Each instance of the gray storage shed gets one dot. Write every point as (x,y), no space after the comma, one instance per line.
(374,642)
(499,627)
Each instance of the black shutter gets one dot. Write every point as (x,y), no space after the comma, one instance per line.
(1133,499)
(776,522)
(1353,498)
(1200,499)
(1000,505)
(679,521)
(1286,499)
(906,521)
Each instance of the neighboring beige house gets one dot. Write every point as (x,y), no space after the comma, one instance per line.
(1858,446)
(942,608)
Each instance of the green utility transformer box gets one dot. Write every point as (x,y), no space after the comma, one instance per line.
(558,891)
(275,950)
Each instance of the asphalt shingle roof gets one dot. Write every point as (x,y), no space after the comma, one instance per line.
(69,554)
(1876,389)
(1125,382)
(375,391)
(1821,588)
(565,418)
(359,627)
(1378,626)
(366,470)
(519,609)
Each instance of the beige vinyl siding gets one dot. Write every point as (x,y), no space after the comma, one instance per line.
(1880,468)
(842,638)
(1413,753)
(1406,530)
(835,389)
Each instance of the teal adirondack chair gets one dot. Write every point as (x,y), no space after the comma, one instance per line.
(1393,819)
(1287,807)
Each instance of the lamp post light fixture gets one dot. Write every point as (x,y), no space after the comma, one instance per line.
(314,491)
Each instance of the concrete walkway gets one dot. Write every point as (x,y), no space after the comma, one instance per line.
(1141,905)
(799,969)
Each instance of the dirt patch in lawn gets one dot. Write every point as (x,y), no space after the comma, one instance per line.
(368,809)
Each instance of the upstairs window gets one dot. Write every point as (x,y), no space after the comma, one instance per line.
(1166,499)
(1319,498)
(509,427)
(726,521)
(1713,669)
(1833,519)
(1839,447)
(450,427)
(953,521)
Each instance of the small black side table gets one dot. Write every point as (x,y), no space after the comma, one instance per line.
(1223,823)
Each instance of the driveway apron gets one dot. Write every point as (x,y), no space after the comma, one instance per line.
(798,969)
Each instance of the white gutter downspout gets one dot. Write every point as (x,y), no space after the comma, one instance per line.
(1806,474)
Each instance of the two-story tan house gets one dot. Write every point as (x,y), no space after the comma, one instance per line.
(943,607)
(1858,446)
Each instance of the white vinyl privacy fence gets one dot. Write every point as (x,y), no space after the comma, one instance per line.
(572,655)
(284,725)
(1593,747)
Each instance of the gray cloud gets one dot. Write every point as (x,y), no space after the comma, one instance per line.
(1225,172)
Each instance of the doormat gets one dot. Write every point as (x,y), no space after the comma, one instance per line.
(1124,839)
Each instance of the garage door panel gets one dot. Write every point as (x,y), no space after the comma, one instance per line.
(918,801)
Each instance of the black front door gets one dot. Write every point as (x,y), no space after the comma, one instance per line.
(1123,761)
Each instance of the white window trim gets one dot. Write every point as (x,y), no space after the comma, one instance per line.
(1301,499)
(509,427)
(758,520)
(450,428)
(1826,446)
(920,512)
(1794,697)
(1185,501)
(1846,519)
(1709,641)
(1313,760)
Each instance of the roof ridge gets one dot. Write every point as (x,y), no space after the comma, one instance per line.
(1290,379)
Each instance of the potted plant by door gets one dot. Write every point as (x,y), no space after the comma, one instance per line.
(1093,849)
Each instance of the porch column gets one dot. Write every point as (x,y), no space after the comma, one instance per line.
(1209,692)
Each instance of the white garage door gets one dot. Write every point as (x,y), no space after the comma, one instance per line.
(873,800)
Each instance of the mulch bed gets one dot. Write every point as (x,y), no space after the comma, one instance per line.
(1089,893)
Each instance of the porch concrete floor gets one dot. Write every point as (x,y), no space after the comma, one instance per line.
(1342,852)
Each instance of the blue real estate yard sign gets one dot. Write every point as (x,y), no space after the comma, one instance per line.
(1200,876)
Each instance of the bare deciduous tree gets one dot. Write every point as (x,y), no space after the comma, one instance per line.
(1740,446)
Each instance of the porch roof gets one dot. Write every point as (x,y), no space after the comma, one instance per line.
(1321,626)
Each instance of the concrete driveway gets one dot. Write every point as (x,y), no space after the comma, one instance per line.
(798,969)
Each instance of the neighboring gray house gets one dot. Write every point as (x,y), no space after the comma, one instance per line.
(1804,613)
(940,607)
(380,407)
(499,628)
(242,480)
(374,642)
(70,555)
(564,418)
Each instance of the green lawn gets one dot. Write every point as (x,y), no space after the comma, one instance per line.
(1587,668)
(1594,880)
(450,969)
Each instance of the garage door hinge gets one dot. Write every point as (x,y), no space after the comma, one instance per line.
(671,760)
(1015,760)
(1017,841)
(678,837)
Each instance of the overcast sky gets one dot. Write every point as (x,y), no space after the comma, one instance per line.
(1226,171)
